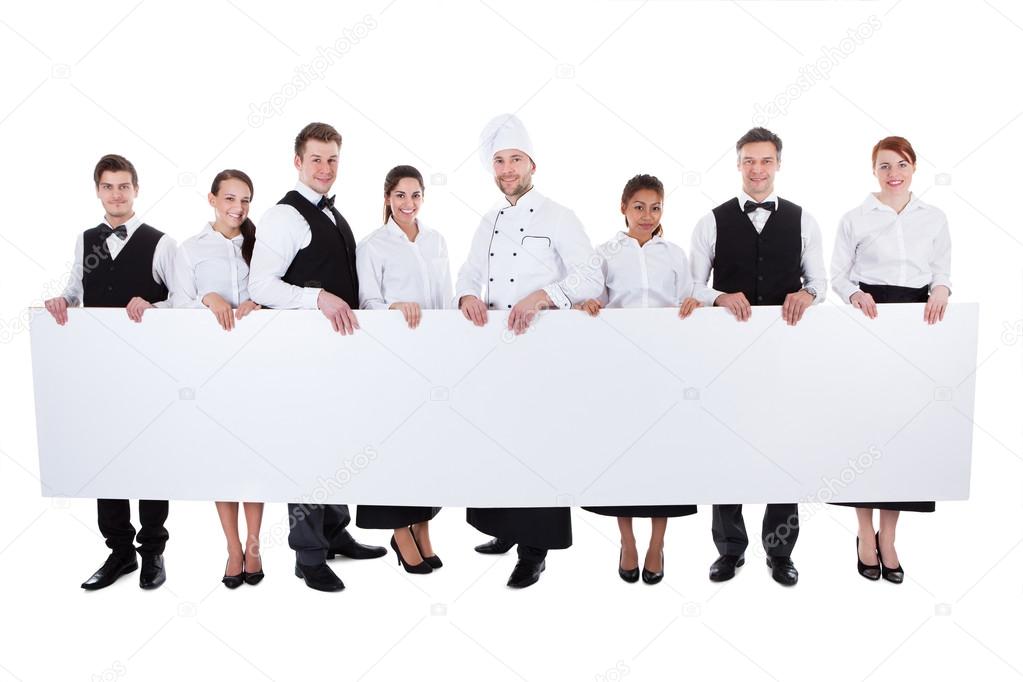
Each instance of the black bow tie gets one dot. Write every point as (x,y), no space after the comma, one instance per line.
(750,206)
(121,231)
(326,202)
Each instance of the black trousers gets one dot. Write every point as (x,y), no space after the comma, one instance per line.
(779,532)
(114,518)
(315,528)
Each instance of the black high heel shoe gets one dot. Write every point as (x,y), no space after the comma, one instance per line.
(868,571)
(254,578)
(434,561)
(651,578)
(421,567)
(629,576)
(233,581)
(892,575)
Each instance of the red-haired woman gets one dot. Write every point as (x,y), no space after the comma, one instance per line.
(211,270)
(404,266)
(893,248)
(641,269)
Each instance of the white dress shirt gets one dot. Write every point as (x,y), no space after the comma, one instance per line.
(535,244)
(876,245)
(655,275)
(210,263)
(705,236)
(393,269)
(283,232)
(163,262)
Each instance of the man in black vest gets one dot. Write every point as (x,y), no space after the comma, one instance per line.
(305,258)
(764,251)
(122,263)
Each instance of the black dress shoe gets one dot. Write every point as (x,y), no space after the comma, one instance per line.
(495,546)
(724,568)
(153,573)
(113,568)
(252,578)
(868,571)
(783,570)
(421,568)
(319,577)
(628,575)
(651,578)
(356,550)
(893,575)
(526,573)
(434,561)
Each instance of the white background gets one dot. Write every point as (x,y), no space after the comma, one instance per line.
(608,90)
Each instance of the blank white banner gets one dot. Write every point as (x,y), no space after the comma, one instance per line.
(633,407)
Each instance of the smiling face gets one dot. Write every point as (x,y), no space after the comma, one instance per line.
(405,200)
(513,172)
(758,162)
(117,194)
(317,167)
(893,172)
(231,203)
(643,214)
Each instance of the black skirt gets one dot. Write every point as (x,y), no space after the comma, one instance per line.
(886,293)
(543,528)
(891,506)
(378,516)
(646,512)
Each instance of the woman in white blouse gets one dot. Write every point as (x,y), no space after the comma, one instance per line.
(641,269)
(403,266)
(893,248)
(212,270)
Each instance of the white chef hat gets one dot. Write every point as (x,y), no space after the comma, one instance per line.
(503,132)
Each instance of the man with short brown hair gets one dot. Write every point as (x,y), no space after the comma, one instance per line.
(122,262)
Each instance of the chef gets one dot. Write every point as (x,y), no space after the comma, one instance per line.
(528,254)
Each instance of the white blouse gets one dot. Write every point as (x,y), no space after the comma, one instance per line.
(655,275)
(208,263)
(393,269)
(876,245)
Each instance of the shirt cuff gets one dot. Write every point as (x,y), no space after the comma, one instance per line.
(309,297)
(942,282)
(706,296)
(557,296)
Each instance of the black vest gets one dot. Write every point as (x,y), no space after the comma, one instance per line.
(110,283)
(328,262)
(766,266)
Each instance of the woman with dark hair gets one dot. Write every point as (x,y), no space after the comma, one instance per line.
(893,248)
(403,266)
(641,269)
(212,270)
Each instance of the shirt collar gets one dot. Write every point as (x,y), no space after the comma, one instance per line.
(395,231)
(310,195)
(872,203)
(131,225)
(531,199)
(209,232)
(743,198)
(623,237)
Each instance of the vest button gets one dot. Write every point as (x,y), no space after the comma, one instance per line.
(512,279)
(760,298)
(491,255)
(760,258)
(502,212)
(514,254)
(522,229)
(491,279)
(760,278)
(509,305)
(495,231)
